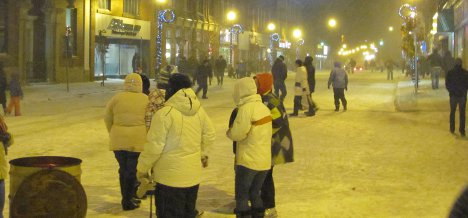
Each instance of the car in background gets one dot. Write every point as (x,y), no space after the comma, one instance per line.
(358,68)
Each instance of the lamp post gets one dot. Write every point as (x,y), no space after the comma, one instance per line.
(409,14)
(297,33)
(274,37)
(231,16)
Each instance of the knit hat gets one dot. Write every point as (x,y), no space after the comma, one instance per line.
(133,83)
(176,82)
(264,83)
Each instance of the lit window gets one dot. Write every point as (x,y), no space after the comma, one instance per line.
(105,4)
(132,7)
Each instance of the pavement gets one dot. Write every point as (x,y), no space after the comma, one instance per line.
(407,99)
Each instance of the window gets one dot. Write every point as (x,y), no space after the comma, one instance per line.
(3,26)
(132,7)
(105,4)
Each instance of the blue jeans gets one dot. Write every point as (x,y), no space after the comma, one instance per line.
(128,162)
(2,196)
(248,185)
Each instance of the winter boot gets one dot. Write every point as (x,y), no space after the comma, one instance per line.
(243,214)
(344,107)
(271,213)
(258,212)
(337,108)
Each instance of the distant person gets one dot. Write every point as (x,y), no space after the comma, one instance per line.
(389,65)
(281,142)
(280,73)
(202,75)
(16,94)
(3,88)
(352,64)
(125,122)
(448,62)
(301,89)
(252,130)
(308,64)
(136,61)
(220,66)
(177,149)
(144,79)
(192,65)
(339,80)
(156,99)
(241,70)
(457,86)
(436,66)
(231,71)
(373,65)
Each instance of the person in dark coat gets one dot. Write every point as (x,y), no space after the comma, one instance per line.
(457,85)
(192,65)
(436,66)
(201,76)
(3,88)
(220,66)
(144,79)
(311,80)
(16,94)
(280,73)
(241,69)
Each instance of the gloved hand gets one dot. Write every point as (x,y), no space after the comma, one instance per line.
(141,176)
(204,160)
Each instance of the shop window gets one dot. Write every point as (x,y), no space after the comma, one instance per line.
(132,7)
(105,4)
(71,23)
(3,26)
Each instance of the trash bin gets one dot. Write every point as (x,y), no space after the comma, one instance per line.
(46,186)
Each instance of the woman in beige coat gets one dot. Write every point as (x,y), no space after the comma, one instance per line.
(125,122)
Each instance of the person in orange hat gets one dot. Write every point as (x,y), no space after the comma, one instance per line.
(281,142)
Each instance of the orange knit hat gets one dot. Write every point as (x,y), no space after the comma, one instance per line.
(264,83)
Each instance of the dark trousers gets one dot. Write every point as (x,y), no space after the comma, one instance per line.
(220,77)
(338,94)
(127,173)
(435,73)
(248,185)
(203,86)
(389,74)
(461,102)
(268,191)
(297,103)
(280,86)
(174,202)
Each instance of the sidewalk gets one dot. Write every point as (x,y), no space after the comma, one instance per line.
(426,99)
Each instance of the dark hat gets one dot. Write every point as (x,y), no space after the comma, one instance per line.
(281,57)
(177,81)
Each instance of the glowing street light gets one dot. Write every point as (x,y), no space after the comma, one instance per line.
(231,15)
(271,26)
(390,29)
(297,33)
(161,1)
(332,23)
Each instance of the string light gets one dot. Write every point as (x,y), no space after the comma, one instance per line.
(275,37)
(164,16)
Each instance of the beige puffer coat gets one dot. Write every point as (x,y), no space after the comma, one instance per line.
(125,116)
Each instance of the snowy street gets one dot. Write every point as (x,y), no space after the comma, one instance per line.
(390,155)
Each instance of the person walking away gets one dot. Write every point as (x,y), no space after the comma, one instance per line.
(339,80)
(16,94)
(145,80)
(3,88)
(177,149)
(124,119)
(448,62)
(372,65)
(389,65)
(457,86)
(202,74)
(308,63)
(281,142)
(220,66)
(280,73)
(252,130)
(192,65)
(301,88)
(241,69)
(436,66)
(352,64)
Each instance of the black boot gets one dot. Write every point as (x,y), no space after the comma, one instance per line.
(344,107)
(337,108)
(242,214)
(258,212)
(129,205)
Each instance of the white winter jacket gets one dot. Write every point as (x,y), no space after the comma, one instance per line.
(252,127)
(180,133)
(301,86)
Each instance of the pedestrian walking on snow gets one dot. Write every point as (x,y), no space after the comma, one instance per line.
(220,66)
(339,80)
(252,130)
(281,142)
(301,89)
(125,122)
(311,81)
(280,73)
(16,94)
(177,149)
(203,74)
(456,83)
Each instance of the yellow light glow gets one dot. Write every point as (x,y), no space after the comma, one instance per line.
(271,26)
(345,46)
(332,22)
(161,1)
(297,33)
(231,15)
(390,29)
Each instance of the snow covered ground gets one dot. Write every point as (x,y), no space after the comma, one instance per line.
(390,155)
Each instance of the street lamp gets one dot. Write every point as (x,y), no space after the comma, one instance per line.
(271,26)
(332,23)
(231,16)
(163,16)
(274,37)
(390,29)
(297,33)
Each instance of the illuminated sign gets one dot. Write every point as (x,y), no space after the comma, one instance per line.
(119,27)
(284,44)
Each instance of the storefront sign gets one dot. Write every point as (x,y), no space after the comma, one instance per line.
(117,26)
(122,27)
(284,44)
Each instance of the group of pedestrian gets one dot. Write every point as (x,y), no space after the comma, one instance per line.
(165,137)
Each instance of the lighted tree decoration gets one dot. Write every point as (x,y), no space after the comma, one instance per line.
(410,30)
